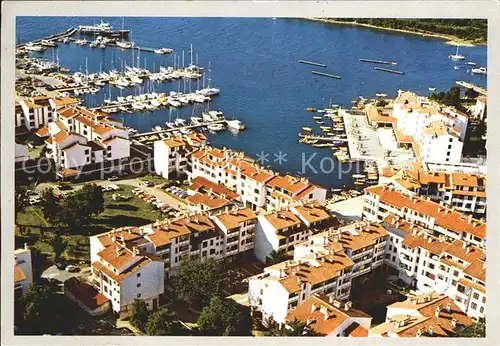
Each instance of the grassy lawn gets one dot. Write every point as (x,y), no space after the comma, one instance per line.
(132,212)
(155,179)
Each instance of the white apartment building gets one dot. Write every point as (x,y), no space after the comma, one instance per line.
(125,271)
(282,229)
(284,286)
(258,187)
(325,263)
(427,315)
(23,271)
(439,219)
(172,155)
(480,109)
(436,131)
(455,269)
(80,137)
(225,233)
(331,318)
(466,192)
(36,112)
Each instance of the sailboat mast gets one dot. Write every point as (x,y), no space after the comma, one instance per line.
(191,54)
(183,58)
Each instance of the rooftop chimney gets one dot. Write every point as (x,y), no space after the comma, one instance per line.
(464,244)
(347,306)
(448,307)
(431,330)
(309,321)
(454,322)
(26,246)
(331,299)
(438,310)
(337,303)
(313,307)
(469,219)
(419,332)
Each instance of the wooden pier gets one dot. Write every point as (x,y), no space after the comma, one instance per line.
(326,74)
(54,37)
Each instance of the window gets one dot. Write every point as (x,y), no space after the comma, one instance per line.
(139,284)
(458,299)
(449,147)
(204,254)
(481,310)
(394,258)
(475,296)
(455,273)
(211,242)
(390,247)
(454,282)
(484,299)
(138,295)
(212,251)
(473,306)
(138,275)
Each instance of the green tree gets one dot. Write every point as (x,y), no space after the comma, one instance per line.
(21,200)
(93,199)
(77,208)
(295,328)
(38,260)
(140,314)
(50,205)
(277,256)
(59,245)
(37,308)
(475,330)
(161,323)
(225,317)
(198,281)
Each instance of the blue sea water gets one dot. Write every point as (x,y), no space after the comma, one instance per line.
(254,63)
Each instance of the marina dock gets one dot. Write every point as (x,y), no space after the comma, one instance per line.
(326,75)
(312,63)
(387,70)
(382,62)
(187,127)
(54,37)
(472,86)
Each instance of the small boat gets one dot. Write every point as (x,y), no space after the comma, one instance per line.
(34,48)
(62,69)
(180,122)
(163,51)
(481,70)
(432,89)
(359,183)
(48,43)
(359,176)
(125,44)
(310,109)
(456,67)
(381,95)
(174,103)
(66,40)
(456,56)
(99,83)
(81,42)
(102,45)
(93,44)
(215,127)
(195,120)
(236,125)
(470,63)
(317,118)
(170,125)
(307,129)
(158,128)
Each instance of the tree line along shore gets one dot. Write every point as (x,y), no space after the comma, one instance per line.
(456,31)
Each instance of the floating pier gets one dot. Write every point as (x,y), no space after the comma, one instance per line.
(312,63)
(382,62)
(326,74)
(388,70)
(472,86)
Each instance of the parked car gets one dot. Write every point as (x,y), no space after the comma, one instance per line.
(113,178)
(146,183)
(72,269)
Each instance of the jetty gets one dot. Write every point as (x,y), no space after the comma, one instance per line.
(475,87)
(186,127)
(54,37)
(312,63)
(387,70)
(382,62)
(325,74)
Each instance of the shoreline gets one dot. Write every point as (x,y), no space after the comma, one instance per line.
(450,39)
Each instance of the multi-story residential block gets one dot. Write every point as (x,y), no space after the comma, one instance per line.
(428,315)
(225,233)
(439,219)
(79,138)
(325,263)
(171,156)
(428,263)
(330,317)
(362,241)
(205,195)
(23,271)
(258,187)
(36,112)
(282,229)
(466,192)
(124,271)
(286,285)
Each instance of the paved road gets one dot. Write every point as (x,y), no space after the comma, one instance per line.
(154,191)
(62,275)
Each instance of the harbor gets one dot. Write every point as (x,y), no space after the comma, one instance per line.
(261,90)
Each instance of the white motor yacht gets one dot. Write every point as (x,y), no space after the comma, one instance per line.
(235,125)
(481,70)
(125,44)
